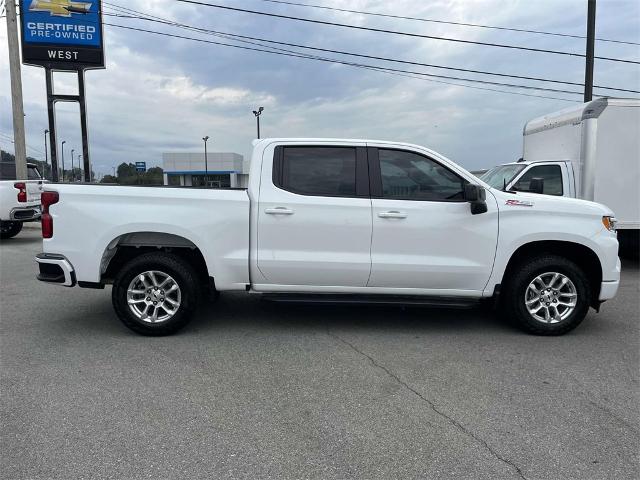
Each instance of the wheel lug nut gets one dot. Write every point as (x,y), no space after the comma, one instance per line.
(155,303)
(148,298)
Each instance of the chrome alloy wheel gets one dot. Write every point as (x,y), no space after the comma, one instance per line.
(551,297)
(153,296)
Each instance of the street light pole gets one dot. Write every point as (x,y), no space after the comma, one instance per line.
(46,159)
(257,113)
(73,176)
(62,146)
(206,162)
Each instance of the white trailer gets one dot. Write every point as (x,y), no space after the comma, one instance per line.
(590,151)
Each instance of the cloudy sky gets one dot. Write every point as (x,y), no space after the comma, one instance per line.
(164,94)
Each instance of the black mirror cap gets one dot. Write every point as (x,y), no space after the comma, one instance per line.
(474,193)
(536,185)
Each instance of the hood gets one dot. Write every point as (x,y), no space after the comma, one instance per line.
(550,203)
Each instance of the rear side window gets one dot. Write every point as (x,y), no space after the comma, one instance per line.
(551,174)
(33,173)
(320,171)
(7,171)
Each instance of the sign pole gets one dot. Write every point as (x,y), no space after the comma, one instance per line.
(53,142)
(83,127)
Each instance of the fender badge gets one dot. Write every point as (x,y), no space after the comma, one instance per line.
(519,203)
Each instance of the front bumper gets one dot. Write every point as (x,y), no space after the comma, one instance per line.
(609,288)
(55,268)
(25,214)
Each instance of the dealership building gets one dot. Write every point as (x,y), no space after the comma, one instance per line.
(222,169)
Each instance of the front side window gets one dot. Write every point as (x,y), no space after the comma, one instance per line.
(410,176)
(551,174)
(321,171)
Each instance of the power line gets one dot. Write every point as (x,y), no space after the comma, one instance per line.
(386,69)
(408,34)
(447,22)
(342,52)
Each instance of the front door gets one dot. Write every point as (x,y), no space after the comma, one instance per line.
(424,235)
(314,219)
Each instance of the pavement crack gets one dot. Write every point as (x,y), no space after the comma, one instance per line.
(431,404)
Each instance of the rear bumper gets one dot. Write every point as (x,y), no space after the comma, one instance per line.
(55,268)
(609,288)
(25,214)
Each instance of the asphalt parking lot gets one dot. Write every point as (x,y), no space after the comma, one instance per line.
(257,390)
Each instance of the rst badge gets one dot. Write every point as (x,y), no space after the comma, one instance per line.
(518,203)
(62,34)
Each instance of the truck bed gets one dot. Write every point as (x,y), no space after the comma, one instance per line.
(90,219)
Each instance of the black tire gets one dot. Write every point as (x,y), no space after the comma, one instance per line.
(181,273)
(515,287)
(9,229)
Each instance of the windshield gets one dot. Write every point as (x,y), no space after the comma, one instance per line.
(501,175)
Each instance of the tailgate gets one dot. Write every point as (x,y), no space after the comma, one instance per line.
(34,189)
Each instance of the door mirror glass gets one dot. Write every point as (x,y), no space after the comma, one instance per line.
(536,185)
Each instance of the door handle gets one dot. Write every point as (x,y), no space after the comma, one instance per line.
(392,214)
(278,211)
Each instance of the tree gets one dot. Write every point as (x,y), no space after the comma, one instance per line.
(109,179)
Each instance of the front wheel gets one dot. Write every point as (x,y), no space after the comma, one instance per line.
(9,229)
(155,294)
(548,295)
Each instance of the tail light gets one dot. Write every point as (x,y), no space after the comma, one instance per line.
(22,191)
(47,199)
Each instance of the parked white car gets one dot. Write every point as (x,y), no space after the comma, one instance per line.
(19,199)
(333,220)
(591,151)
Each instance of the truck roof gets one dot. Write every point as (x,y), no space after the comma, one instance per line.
(576,114)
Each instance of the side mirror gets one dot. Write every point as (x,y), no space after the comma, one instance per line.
(476,196)
(536,185)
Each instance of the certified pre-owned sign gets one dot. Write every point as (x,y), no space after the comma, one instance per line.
(62,34)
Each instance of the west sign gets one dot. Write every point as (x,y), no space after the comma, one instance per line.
(62,34)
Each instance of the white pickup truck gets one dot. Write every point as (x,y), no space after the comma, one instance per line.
(333,220)
(19,199)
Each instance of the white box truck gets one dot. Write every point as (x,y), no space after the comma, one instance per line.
(590,151)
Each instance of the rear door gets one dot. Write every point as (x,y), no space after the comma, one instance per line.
(314,218)
(424,235)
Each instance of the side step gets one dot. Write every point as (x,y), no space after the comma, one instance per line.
(364,299)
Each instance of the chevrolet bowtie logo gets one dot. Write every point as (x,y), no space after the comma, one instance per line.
(59,8)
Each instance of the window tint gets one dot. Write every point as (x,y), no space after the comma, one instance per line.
(409,176)
(32,173)
(7,171)
(329,171)
(552,175)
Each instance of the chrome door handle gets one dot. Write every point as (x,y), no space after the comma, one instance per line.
(278,211)
(392,214)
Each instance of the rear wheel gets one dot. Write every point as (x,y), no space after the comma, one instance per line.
(155,294)
(9,229)
(548,295)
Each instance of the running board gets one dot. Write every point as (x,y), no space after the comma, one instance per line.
(364,299)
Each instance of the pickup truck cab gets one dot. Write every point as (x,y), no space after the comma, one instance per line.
(333,220)
(19,198)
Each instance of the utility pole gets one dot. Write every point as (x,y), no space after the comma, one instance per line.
(73,173)
(206,162)
(46,160)
(16,91)
(257,113)
(591,36)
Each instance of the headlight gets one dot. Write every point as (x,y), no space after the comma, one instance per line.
(609,223)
